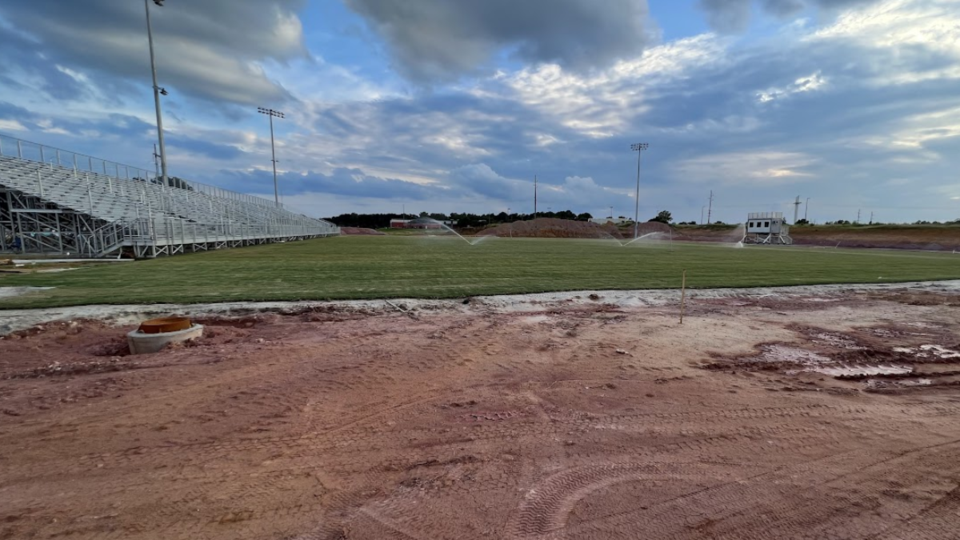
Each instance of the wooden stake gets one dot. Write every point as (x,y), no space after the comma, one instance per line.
(683,295)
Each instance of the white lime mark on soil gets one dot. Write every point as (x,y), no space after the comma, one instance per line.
(928,351)
(861,371)
(781,353)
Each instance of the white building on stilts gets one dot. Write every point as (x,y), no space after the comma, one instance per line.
(767,228)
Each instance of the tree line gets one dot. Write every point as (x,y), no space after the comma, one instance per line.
(467,220)
(459,220)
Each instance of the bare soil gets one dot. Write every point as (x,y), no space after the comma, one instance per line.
(354,231)
(762,416)
(927,238)
(565,228)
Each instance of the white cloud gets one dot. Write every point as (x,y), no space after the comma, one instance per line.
(914,134)
(441,40)
(810,83)
(898,27)
(762,168)
(212,49)
(11,125)
(603,104)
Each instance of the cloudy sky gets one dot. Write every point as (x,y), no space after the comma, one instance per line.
(445,105)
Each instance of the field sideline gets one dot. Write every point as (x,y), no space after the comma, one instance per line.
(446,267)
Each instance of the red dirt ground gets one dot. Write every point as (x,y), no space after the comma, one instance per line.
(584,421)
(932,238)
(354,231)
(565,228)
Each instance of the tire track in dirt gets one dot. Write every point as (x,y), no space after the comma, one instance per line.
(753,508)
(354,435)
(545,507)
(934,521)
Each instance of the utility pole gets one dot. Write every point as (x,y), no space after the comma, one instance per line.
(858,216)
(702,208)
(273,149)
(611,213)
(156,90)
(796,210)
(710,209)
(871,218)
(639,148)
(806,208)
(534,196)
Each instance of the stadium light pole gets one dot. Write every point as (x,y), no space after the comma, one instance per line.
(639,148)
(157,91)
(273,150)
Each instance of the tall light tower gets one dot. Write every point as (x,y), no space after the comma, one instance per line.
(157,91)
(639,148)
(273,150)
(534,196)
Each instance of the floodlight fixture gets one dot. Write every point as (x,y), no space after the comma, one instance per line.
(639,148)
(273,149)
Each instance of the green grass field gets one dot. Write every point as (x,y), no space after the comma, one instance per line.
(445,267)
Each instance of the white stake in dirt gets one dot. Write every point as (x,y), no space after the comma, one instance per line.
(683,295)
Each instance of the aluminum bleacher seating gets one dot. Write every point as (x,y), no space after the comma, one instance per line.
(53,208)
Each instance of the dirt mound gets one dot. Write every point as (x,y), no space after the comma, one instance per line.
(928,238)
(359,231)
(565,228)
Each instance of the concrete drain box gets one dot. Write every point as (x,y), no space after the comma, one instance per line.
(155,334)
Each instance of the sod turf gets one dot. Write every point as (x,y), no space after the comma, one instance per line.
(446,267)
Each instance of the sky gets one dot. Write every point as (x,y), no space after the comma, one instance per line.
(450,106)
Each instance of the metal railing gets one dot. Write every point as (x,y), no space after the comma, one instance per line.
(50,155)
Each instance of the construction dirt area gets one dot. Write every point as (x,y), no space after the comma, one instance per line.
(812,412)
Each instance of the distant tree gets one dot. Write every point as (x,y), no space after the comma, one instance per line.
(802,222)
(586,216)
(663,217)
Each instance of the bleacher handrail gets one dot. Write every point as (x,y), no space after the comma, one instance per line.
(86,163)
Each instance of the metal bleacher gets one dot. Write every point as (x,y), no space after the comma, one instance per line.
(58,202)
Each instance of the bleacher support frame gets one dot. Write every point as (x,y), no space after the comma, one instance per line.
(74,205)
